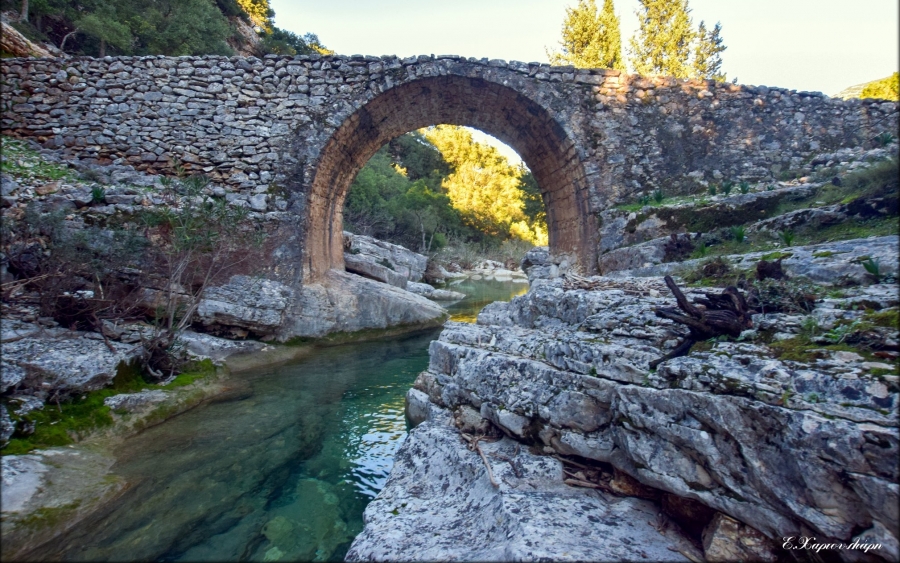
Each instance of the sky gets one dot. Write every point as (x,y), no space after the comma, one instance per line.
(812,45)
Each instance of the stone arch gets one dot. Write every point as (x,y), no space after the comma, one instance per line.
(496,109)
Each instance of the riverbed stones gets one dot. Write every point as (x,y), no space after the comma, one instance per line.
(432,293)
(447,509)
(204,345)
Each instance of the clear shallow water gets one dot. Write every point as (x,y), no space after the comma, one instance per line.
(281,467)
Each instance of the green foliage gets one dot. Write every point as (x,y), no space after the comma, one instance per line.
(707,61)
(664,39)
(727,186)
(884,138)
(744,187)
(886,88)
(737,233)
(701,251)
(873,267)
(658,196)
(787,237)
(590,39)
(105,26)
(282,42)
(145,27)
(485,189)
(712,189)
(644,200)
(24,162)
(98,194)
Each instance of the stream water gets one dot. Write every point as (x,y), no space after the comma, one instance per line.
(281,467)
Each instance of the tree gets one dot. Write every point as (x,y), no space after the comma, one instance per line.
(664,39)
(707,58)
(106,28)
(183,27)
(484,187)
(589,39)
(196,241)
(886,88)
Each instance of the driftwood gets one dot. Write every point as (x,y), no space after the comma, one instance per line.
(716,315)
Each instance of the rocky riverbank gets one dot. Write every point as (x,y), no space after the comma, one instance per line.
(790,430)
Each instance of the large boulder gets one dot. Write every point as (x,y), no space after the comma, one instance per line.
(255,304)
(344,302)
(784,447)
(401,260)
(371,267)
(57,362)
(446,508)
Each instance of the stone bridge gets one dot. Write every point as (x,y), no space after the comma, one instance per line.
(304,126)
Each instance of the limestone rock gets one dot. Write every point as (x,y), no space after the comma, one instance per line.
(379,271)
(7,426)
(64,362)
(344,302)
(403,261)
(133,402)
(825,263)
(446,509)
(569,367)
(726,539)
(255,304)
(430,292)
(209,346)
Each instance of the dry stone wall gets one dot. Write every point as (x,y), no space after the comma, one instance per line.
(303,126)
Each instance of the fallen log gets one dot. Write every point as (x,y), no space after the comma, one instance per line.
(716,315)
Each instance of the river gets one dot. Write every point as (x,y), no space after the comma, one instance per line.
(280,467)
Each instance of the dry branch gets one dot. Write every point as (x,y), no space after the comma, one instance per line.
(716,315)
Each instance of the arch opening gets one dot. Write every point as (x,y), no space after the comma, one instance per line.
(493,108)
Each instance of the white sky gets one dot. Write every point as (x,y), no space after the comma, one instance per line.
(814,45)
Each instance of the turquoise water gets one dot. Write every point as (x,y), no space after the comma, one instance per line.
(280,467)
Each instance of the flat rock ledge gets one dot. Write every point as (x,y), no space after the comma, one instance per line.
(781,447)
(440,505)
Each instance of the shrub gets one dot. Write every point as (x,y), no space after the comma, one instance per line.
(712,189)
(658,196)
(737,233)
(744,187)
(787,237)
(727,186)
(98,194)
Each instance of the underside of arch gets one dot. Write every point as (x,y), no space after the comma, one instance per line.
(493,108)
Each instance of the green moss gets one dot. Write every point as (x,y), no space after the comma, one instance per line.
(771,256)
(23,162)
(800,349)
(49,516)
(889,318)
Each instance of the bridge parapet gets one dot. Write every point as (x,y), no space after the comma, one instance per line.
(594,137)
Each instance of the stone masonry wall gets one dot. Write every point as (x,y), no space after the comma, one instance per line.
(303,126)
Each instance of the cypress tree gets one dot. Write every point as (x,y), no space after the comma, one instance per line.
(707,58)
(589,39)
(664,39)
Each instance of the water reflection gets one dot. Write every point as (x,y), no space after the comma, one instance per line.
(279,468)
(479,294)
